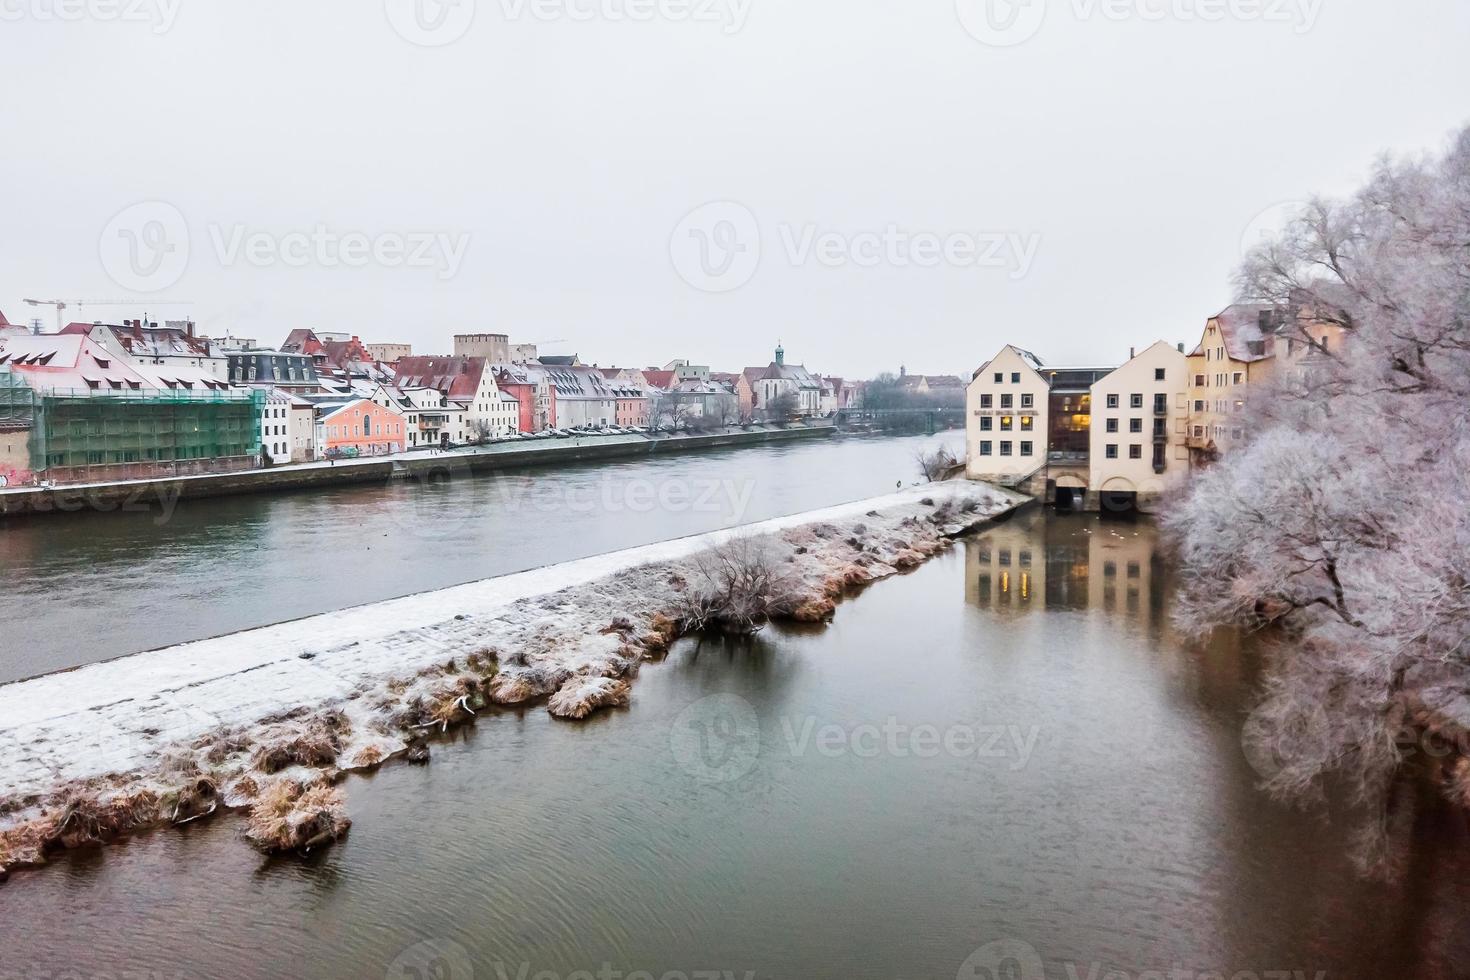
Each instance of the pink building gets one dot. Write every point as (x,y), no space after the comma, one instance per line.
(361,425)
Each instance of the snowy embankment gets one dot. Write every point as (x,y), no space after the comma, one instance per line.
(269,718)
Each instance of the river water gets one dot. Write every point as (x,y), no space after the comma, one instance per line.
(89,587)
(1006,764)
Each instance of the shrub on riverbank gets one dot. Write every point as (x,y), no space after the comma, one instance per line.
(292,816)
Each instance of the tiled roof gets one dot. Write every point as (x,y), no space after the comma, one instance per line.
(1240,326)
(456,377)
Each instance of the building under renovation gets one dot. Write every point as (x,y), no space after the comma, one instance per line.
(88,416)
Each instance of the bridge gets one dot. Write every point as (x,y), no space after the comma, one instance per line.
(931,420)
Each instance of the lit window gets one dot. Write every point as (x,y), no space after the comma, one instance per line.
(1005,423)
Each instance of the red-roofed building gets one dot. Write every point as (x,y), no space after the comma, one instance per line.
(468,380)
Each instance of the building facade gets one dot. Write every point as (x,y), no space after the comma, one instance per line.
(1091,437)
(388,353)
(494,347)
(360,427)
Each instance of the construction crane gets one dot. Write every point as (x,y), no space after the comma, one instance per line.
(79,303)
(59,304)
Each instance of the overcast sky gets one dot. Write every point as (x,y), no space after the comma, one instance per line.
(873,183)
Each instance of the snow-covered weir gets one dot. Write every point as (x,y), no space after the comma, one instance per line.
(347,689)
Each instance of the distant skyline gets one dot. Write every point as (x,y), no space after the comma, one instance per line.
(873,184)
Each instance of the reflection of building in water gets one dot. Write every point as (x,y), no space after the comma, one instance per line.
(1060,562)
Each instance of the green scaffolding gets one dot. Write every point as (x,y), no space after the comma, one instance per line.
(97,428)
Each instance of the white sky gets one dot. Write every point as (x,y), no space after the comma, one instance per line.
(1132,153)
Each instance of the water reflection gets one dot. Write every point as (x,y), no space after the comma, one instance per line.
(1038,561)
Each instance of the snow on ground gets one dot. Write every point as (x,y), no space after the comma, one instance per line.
(385,670)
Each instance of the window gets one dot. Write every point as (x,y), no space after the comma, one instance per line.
(1199,380)
(1238,377)
(1135,451)
(1161,403)
(1111,452)
(1006,401)
(1199,404)
(1006,423)
(1112,401)
(1135,425)
(1112,425)
(1158,374)
(984,447)
(1026,423)
(986,423)
(1005,447)
(1000,377)
(1028,401)
(1026,448)
(985,401)
(1015,377)
(1135,401)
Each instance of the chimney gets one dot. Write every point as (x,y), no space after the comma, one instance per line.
(1132,353)
(1181,348)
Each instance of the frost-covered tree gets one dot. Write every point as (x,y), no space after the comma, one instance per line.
(1345,521)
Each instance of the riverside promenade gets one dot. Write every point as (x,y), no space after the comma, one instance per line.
(417,466)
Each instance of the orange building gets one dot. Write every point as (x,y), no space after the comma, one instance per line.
(360,425)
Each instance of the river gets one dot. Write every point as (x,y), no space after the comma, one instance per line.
(86,587)
(1006,764)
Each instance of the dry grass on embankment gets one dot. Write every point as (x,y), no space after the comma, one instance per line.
(578,649)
